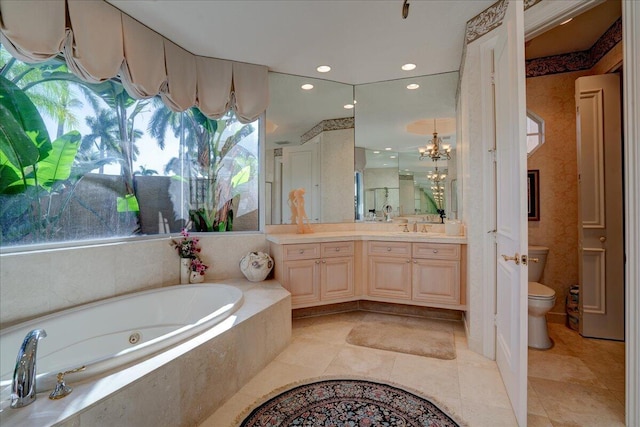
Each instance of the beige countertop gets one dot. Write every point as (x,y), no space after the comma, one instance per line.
(350,235)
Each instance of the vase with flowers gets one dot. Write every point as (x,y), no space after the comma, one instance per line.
(188,248)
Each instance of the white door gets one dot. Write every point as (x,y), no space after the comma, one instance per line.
(511,217)
(600,206)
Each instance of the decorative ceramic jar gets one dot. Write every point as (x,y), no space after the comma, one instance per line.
(256,266)
(185,267)
(196,277)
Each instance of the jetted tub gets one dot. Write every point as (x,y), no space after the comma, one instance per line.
(118,331)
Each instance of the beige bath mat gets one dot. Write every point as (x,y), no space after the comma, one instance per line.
(411,338)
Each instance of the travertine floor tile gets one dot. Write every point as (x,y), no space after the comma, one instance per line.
(580,405)
(302,349)
(480,385)
(579,382)
(433,377)
(558,367)
(361,361)
(483,415)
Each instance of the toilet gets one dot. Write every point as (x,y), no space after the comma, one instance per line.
(541,299)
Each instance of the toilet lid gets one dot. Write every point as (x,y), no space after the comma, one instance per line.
(538,290)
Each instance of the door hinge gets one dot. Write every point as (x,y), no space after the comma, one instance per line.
(493,78)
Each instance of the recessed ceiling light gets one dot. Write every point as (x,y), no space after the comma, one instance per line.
(348,106)
(323,69)
(392,157)
(388,148)
(376,152)
(307,86)
(408,67)
(413,86)
(566,22)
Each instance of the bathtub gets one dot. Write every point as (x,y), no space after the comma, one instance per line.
(110,334)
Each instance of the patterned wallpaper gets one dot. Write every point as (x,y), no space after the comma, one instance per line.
(330,124)
(576,61)
(552,98)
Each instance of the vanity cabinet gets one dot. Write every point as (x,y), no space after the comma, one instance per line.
(316,272)
(436,273)
(429,274)
(389,270)
(413,272)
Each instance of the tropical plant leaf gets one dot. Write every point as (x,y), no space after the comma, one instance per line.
(9,180)
(57,167)
(15,145)
(18,105)
(128,203)
(234,139)
(242,176)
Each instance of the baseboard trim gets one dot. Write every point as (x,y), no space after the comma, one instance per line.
(378,307)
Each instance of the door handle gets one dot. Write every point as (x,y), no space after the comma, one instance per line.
(515,258)
(603,239)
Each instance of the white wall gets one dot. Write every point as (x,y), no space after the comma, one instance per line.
(337,179)
(40,282)
(475,163)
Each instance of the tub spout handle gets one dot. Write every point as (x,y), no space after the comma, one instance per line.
(61,390)
(23,388)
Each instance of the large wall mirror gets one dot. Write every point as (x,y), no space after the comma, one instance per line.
(363,162)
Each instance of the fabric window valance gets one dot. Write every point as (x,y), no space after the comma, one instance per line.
(100,42)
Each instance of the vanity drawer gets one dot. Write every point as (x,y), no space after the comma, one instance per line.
(336,249)
(398,249)
(301,251)
(436,251)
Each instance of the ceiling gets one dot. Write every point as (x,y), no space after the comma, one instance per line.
(364,41)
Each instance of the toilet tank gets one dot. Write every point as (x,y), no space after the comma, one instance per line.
(536,268)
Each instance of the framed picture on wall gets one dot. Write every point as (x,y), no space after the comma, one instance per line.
(533,194)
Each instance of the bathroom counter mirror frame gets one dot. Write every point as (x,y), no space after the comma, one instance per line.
(388,125)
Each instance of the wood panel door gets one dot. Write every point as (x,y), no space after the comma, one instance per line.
(600,206)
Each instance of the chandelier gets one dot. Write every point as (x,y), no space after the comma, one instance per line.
(436,149)
(436,177)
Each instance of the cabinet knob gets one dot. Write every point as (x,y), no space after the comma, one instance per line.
(337,249)
(415,262)
(317,262)
(409,260)
(603,239)
(435,251)
(324,262)
(388,249)
(301,251)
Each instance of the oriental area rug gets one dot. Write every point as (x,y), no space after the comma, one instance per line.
(348,402)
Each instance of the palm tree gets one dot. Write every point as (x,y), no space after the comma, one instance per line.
(55,98)
(103,136)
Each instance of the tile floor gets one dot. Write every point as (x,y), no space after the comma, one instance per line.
(578,382)
(569,385)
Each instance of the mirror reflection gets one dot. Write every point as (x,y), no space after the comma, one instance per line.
(309,144)
(308,133)
(395,122)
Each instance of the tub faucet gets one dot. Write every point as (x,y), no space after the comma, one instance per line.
(23,389)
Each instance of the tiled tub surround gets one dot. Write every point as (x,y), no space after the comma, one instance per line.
(113,333)
(66,277)
(181,386)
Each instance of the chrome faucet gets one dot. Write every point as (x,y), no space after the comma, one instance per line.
(23,389)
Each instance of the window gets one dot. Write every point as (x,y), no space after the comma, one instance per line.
(535,132)
(87,161)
